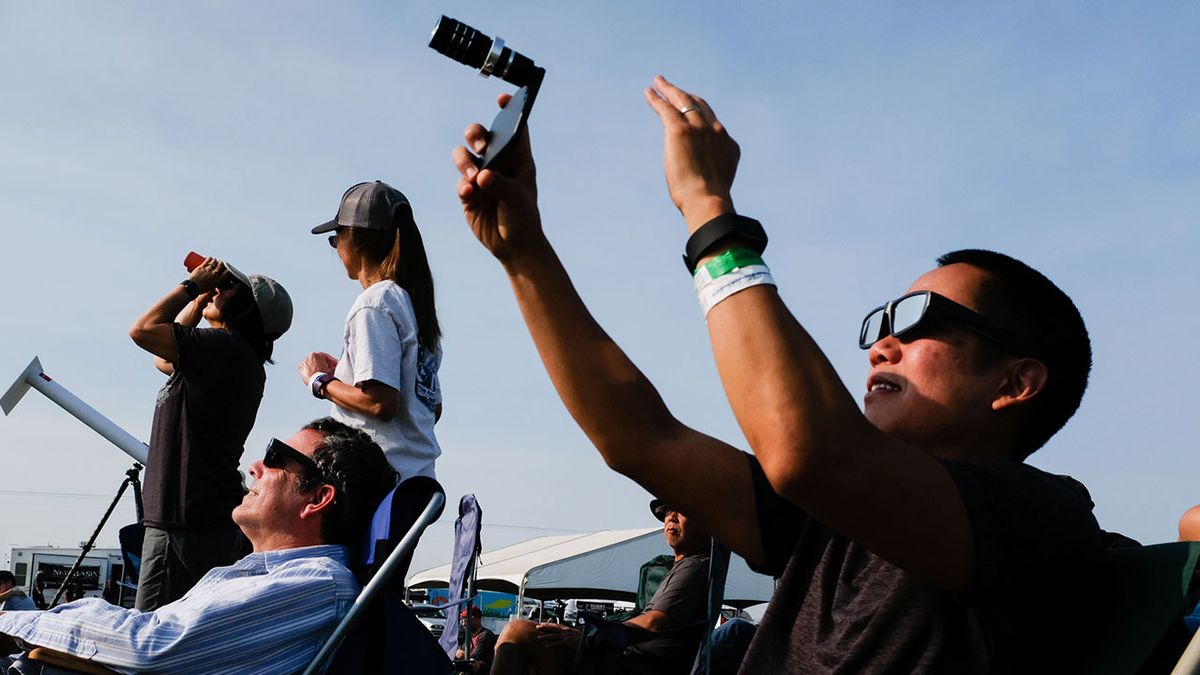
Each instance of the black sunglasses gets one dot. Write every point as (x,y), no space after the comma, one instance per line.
(278,453)
(908,311)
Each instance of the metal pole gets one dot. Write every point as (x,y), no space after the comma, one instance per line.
(130,477)
(34,376)
(465,637)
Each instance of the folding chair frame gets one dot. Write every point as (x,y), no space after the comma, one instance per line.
(376,585)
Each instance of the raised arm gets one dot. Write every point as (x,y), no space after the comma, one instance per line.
(815,446)
(610,399)
(190,315)
(152,331)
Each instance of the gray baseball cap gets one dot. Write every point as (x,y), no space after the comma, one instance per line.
(370,205)
(274,303)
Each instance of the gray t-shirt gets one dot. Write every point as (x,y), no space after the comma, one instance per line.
(380,343)
(841,609)
(683,596)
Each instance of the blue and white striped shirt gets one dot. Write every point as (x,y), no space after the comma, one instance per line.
(267,613)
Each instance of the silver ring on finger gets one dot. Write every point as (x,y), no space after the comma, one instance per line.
(691,108)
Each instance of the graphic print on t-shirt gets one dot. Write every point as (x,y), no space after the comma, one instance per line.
(427,384)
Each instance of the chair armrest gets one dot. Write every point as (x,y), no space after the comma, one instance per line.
(68,661)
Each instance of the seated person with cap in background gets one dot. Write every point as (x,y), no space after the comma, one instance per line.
(483,641)
(311,499)
(680,601)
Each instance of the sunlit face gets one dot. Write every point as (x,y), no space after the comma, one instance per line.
(274,501)
(930,387)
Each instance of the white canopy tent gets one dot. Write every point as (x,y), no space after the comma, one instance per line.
(599,565)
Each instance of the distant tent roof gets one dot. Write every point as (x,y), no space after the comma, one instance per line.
(599,565)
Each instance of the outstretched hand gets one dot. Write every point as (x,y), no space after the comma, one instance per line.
(699,156)
(500,208)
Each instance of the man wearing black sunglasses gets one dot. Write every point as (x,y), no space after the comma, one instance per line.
(911,538)
(312,497)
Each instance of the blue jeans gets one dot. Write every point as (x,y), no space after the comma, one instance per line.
(730,641)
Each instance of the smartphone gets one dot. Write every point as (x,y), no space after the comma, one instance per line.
(507,128)
(192,261)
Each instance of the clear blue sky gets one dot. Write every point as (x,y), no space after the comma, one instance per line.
(874,137)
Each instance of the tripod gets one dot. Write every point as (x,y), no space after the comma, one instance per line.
(131,478)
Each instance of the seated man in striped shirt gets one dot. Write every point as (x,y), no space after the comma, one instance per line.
(312,497)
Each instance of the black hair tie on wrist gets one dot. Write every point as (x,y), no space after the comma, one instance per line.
(723,226)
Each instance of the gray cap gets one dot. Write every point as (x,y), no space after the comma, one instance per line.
(274,303)
(372,206)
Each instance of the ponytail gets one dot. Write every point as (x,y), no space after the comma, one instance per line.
(400,254)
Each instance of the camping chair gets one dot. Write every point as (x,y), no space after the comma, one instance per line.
(1145,590)
(718,570)
(620,636)
(650,576)
(131,538)
(407,645)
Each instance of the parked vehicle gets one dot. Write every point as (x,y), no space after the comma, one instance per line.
(433,616)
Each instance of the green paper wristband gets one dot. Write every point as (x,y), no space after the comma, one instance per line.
(731,260)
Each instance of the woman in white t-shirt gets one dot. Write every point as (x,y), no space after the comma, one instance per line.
(386,381)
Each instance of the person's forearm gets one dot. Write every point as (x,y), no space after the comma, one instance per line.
(653,620)
(163,311)
(190,315)
(346,395)
(153,330)
(787,397)
(616,406)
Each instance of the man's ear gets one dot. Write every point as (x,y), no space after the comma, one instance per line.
(1024,380)
(322,500)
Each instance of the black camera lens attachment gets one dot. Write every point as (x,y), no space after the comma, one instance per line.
(470,47)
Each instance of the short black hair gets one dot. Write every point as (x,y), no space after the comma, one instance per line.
(7,577)
(1047,323)
(358,471)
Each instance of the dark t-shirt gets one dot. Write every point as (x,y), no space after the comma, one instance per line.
(683,596)
(483,648)
(203,415)
(840,609)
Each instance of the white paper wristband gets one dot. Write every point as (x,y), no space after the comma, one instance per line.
(711,292)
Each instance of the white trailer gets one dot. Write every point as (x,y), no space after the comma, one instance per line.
(98,576)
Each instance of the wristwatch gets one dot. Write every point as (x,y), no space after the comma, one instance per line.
(722,227)
(190,287)
(319,382)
